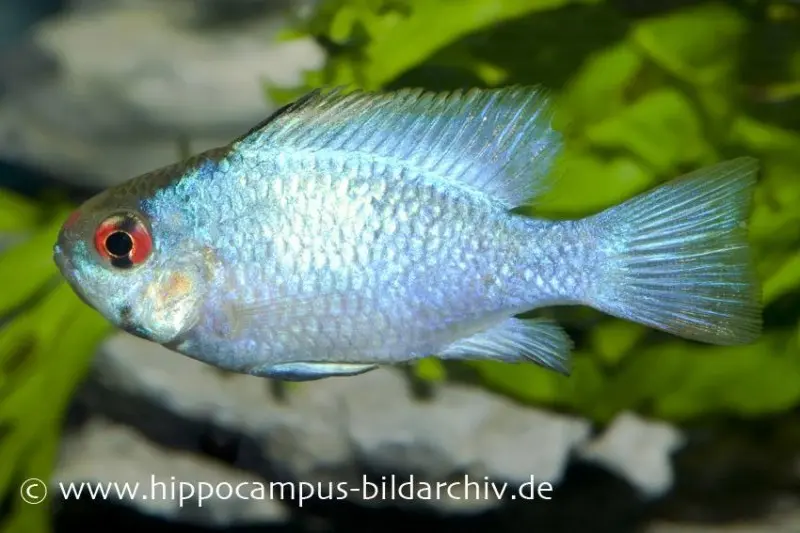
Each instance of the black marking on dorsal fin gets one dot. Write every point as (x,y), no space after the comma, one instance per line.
(288,108)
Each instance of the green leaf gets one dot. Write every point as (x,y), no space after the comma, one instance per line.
(776,219)
(798,336)
(586,388)
(765,138)
(794,65)
(395,45)
(582,390)
(525,382)
(45,348)
(17,213)
(598,90)
(26,267)
(784,280)
(613,339)
(25,342)
(680,380)
(430,369)
(662,129)
(40,458)
(343,24)
(585,183)
(697,44)
(745,380)
(62,334)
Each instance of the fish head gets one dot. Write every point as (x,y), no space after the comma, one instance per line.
(132,261)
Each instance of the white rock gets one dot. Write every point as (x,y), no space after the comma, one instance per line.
(182,385)
(175,78)
(132,81)
(156,481)
(637,450)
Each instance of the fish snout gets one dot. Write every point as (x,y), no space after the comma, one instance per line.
(60,257)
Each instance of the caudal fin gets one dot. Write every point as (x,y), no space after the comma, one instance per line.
(678,259)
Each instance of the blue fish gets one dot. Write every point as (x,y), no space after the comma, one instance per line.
(356,229)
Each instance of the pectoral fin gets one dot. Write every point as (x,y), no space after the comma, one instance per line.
(294,309)
(310,371)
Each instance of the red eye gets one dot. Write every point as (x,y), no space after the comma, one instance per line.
(123,240)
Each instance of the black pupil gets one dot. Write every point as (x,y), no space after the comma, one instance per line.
(119,244)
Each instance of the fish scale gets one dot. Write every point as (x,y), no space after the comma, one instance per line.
(462,263)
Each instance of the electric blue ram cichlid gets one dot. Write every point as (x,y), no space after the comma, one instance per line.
(352,229)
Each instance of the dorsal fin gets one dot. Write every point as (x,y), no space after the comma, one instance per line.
(499,141)
(273,117)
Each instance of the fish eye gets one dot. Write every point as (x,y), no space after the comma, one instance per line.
(123,240)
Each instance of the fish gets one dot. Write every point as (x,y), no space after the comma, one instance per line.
(354,229)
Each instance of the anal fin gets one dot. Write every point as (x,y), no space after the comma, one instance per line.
(541,341)
(310,371)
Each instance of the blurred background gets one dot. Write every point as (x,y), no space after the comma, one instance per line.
(650,434)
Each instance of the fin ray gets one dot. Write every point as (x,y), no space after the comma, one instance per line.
(310,371)
(290,309)
(679,259)
(499,141)
(540,340)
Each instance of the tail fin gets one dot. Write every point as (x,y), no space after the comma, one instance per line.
(678,258)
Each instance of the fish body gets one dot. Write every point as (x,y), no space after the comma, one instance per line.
(352,230)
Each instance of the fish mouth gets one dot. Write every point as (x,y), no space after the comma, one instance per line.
(63,263)
(59,258)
